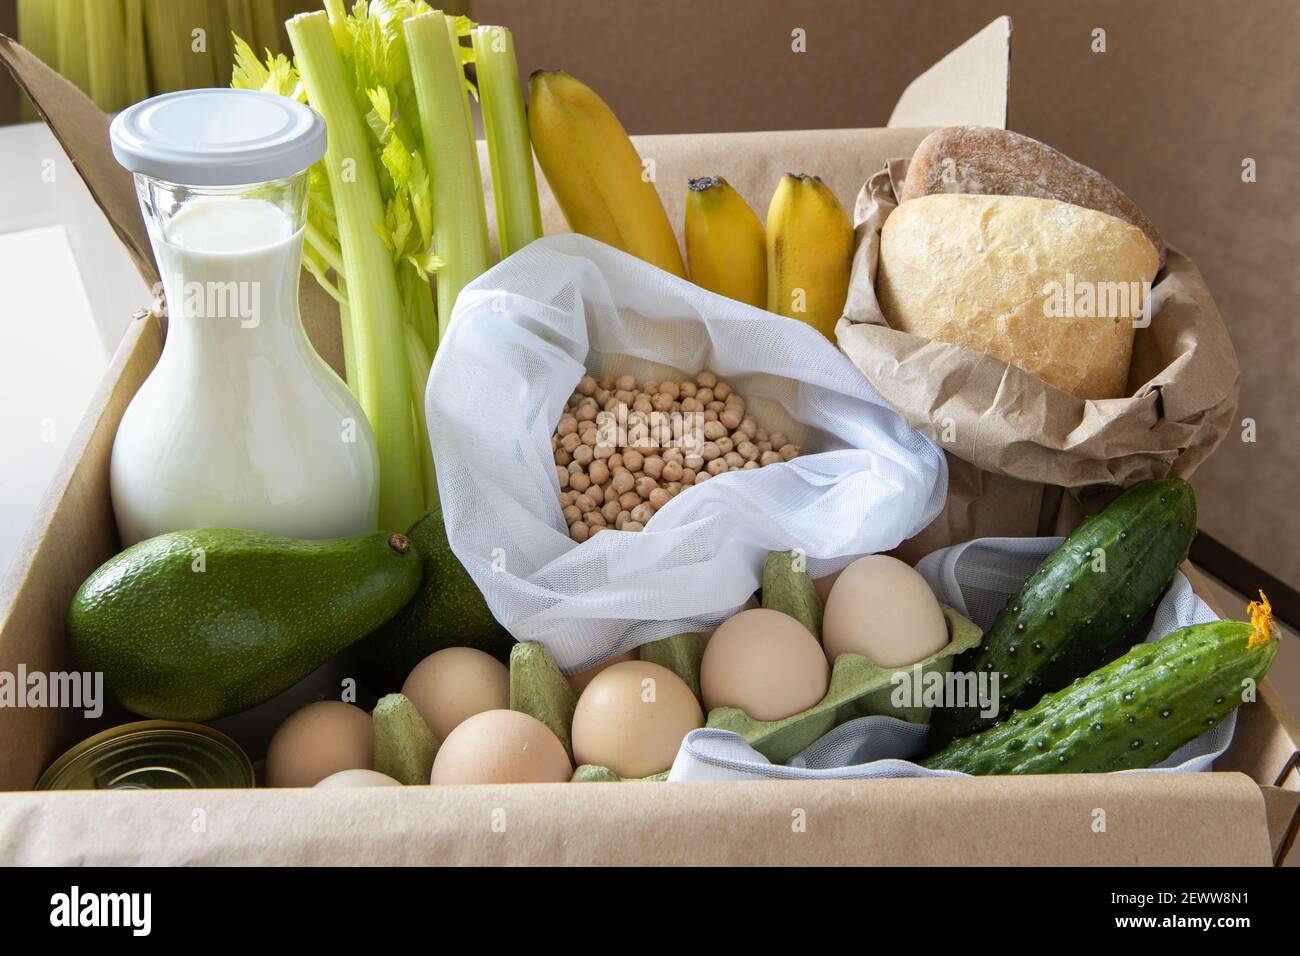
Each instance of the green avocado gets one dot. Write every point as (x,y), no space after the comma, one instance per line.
(448,611)
(194,625)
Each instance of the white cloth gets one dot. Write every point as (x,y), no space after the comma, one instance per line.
(522,336)
(976,579)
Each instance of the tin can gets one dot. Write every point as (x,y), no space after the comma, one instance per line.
(151,755)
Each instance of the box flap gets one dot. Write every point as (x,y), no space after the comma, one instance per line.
(82,130)
(968,87)
(1102,819)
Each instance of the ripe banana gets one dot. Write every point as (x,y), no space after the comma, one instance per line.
(595,172)
(809,253)
(726,247)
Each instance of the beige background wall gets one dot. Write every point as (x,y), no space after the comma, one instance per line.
(1185,91)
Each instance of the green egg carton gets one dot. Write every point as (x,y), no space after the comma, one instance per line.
(539,688)
(858,688)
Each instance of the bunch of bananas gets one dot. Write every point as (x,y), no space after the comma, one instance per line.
(797,267)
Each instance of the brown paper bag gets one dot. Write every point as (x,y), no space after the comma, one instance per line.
(1026,458)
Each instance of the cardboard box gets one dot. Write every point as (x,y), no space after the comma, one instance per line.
(1245,813)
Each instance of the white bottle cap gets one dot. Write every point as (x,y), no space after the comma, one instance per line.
(217,137)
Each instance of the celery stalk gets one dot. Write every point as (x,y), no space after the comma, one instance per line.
(38,31)
(105,28)
(73,62)
(419,363)
(514,185)
(374,302)
(135,81)
(459,219)
(169,32)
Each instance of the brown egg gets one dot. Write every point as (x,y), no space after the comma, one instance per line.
(708,635)
(501,746)
(350,779)
(632,718)
(455,683)
(882,609)
(316,741)
(766,663)
(580,680)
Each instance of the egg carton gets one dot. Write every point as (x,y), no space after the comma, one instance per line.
(858,687)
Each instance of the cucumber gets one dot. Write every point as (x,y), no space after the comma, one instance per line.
(1071,616)
(1132,713)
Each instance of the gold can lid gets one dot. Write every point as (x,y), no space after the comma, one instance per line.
(151,755)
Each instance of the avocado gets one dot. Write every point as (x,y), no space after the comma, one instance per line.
(194,625)
(448,611)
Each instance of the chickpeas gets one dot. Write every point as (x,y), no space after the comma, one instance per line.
(622,451)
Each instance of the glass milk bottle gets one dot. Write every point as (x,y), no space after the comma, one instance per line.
(240,424)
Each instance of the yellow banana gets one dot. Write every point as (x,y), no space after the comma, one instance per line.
(726,247)
(809,253)
(595,172)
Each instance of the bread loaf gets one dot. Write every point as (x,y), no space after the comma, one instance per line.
(997,162)
(1047,286)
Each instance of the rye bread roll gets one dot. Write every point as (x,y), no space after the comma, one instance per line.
(997,162)
(1050,287)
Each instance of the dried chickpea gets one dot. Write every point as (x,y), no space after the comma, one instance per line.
(731,418)
(747,450)
(626,382)
(704,396)
(570,441)
(658,498)
(568,425)
(688,475)
(563,475)
(725,444)
(610,510)
(604,451)
(583,455)
(721,391)
(607,381)
(629,500)
(673,487)
(710,451)
(633,460)
(770,458)
(584,503)
(671,471)
(750,464)
(749,426)
(615,462)
(623,518)
(644,485)
(694,462)
(611,493)
(623,480)
(633,526)
(702,477)
(587,386)
(594,519)
(572,514)
(716,467)
(566,498)
(578,532)
(714,430)
(789,452)
(706,379)
(578,481)
(734,459)
(653,466)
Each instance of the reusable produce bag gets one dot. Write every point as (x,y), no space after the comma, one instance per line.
(1026,458)
(523,335)
(976,579)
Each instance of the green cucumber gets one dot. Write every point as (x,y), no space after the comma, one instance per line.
(1083,604)
(1132,713)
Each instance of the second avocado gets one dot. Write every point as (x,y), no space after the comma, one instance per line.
(194,625)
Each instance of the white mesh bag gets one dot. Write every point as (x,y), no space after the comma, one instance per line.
(521,337)
(976,579)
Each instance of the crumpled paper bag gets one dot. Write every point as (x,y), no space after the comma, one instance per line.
(1026,458)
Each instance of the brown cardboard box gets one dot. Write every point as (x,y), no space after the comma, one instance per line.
(1245,816)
